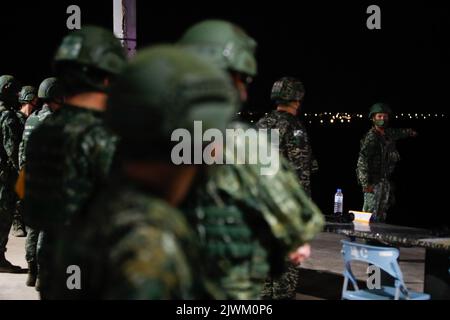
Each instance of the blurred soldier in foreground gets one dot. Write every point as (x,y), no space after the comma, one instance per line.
(377,159)
(133,243)
(247,222)
(11,128)
(50,93)
(69,155)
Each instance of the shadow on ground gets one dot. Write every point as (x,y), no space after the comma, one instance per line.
(322,284)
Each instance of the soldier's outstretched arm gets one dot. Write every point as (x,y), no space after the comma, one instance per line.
(402,133)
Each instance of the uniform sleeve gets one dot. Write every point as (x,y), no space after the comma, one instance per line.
(98,148)
(400,133)
(365,154)
(12,135)
(148,264)
(290,217)
(296,150)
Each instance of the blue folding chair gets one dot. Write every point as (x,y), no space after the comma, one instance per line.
(386,259)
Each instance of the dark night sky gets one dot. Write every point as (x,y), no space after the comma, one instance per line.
(345,67)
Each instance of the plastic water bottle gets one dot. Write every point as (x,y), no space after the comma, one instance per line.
(338,202)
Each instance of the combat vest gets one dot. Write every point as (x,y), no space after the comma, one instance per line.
(248,223)
(60,178)
(31,123)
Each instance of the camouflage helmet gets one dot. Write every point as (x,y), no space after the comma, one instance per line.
(287,89)
(224,43)
(379,107)
(50,89)
(27,94)
(90,49)
(9,87)
(162,89)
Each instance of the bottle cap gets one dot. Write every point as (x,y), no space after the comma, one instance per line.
(339,190)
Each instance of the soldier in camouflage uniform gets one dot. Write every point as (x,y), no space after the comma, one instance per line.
(28,100)
(50,94)
(377,159)
(69,155)
(288,93)
(10,134)
(248,223)
(133,243)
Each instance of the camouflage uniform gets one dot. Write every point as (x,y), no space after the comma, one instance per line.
(33,241)
(377,159)
(69,155)
(246,222)
(294,144)
(135,246)
(11,132)
(27,96)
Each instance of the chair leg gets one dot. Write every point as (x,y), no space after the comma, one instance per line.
(344,287)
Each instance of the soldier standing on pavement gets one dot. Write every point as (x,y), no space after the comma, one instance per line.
(69,155)
(377,159)
(50,93)
(288,93)
(28,100)
(11,129)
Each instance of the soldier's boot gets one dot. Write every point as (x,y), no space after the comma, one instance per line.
(8,267)
(32,274)
(37,285)
(18,228)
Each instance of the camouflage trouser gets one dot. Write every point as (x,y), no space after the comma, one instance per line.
(283,287)
(18,218)
(379,201)
(33,245)
(7,208)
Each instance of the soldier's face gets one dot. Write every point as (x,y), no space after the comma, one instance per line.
(381,120)
(381,117)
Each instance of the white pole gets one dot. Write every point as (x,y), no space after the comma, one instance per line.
(125,24)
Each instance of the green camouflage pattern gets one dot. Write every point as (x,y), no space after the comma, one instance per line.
(31,123)
(284,286)
(294,144)
(11,132)
(377,160)
(66,157)
(224,44)
(27,94)
(136,247)
(287,89)
(249,222)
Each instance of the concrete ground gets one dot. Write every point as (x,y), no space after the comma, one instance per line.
(12,286)
(321,275)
